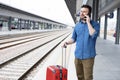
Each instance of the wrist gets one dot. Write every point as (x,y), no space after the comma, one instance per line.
(88,22)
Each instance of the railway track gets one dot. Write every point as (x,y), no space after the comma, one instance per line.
(16,41)
(25,58)
(9,36)
(18,37)
(3,37)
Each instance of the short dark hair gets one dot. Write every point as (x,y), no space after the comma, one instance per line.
(89,8)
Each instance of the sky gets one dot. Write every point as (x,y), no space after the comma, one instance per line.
(52,9)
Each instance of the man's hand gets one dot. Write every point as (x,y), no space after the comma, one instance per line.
(90,27)
(65,45)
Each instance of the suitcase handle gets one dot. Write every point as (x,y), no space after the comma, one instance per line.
(64,65)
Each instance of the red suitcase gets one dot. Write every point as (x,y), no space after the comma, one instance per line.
(57,72)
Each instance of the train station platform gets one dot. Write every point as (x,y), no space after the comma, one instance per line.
(106,66)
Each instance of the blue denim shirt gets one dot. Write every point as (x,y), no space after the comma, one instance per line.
(85,43)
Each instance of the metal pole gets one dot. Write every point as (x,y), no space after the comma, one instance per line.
(9,23)
(64,57)
(118,27)
(20,24)
(105,27)
(100,25)
(95,10)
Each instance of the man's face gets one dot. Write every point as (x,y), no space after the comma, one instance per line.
(83,12)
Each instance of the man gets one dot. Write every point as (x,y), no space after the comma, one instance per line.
(85,34)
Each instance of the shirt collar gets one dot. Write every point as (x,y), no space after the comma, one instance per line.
(81,21)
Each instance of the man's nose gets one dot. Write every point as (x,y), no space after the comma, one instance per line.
(82,13)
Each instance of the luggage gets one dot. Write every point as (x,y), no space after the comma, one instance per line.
(57,72)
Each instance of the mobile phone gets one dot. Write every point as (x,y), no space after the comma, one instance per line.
(84,18)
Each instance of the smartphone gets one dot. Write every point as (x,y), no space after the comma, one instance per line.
(84,18)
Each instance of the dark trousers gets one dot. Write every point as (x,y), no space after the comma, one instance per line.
(84,69)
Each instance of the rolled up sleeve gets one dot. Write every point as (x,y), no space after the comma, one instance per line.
(74,35)
(97,29)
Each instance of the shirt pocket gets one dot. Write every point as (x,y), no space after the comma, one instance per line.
(80,31)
